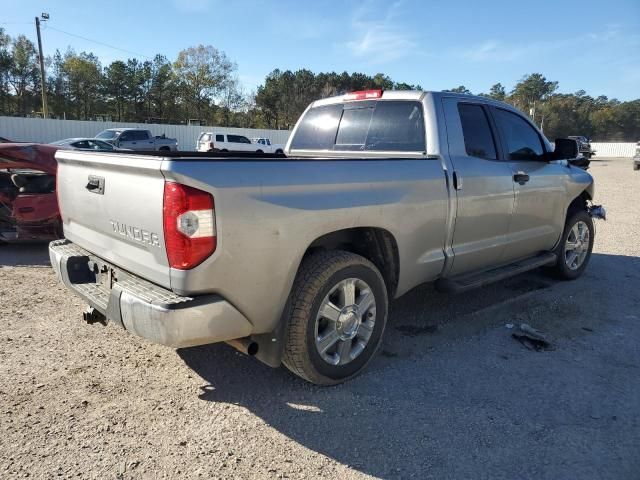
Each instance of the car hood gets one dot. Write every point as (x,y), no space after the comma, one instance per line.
(29,155)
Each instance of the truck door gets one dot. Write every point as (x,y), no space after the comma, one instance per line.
(483,185)
(540,192)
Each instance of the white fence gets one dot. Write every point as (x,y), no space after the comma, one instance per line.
(44,131)
(617,150)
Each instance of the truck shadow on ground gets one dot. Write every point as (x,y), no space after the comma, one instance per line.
(416,414)
(24,255)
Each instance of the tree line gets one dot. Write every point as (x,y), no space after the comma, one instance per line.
(201,84)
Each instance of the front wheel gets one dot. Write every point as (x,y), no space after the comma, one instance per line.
(576,244)
(336,316)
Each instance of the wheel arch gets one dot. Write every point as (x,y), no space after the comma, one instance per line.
(377,245)
(580,202)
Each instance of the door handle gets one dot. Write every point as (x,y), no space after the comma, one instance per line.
(521,178)
(95,185)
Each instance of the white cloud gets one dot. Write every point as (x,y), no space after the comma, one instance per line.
(379,40)
(611,31)
(492,50)
(495,50)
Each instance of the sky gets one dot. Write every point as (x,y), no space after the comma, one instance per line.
(589,44)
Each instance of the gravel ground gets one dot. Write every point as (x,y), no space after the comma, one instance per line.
(451,396)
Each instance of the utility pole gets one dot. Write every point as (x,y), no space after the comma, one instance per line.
(43,82)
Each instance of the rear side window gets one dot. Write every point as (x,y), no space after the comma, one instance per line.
(139,135)
(478,140)
(318,128)
(397,126)
(374,126)
(523,142)
(219,138)
(354,126)
(238,139)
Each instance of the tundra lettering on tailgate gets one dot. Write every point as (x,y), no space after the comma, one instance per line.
(135,233)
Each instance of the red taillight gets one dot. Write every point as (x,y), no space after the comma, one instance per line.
(189,225)
(363,95)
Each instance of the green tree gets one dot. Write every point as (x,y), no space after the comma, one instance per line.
(115,88)
(497,92)
(57,86)
(23,73)
(84,76)
(5,66)
(460,89)
(202,73)
(532,89)
(162,91)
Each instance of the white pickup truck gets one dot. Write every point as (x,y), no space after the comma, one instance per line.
(137,139)
(267,146)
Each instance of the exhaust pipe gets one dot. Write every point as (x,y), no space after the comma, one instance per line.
(244,345)
(91,316)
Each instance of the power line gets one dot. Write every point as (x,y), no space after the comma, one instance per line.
(99,43)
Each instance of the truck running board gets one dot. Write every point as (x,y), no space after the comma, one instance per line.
(468,281)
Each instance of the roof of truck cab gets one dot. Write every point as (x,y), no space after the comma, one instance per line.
(416,95)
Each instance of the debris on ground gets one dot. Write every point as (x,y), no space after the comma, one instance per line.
(598,211)
(531,338)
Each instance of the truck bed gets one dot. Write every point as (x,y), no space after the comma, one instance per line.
(269,209)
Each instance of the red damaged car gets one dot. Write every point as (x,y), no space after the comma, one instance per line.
(28,204)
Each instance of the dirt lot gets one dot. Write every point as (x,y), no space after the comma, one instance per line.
(451,396)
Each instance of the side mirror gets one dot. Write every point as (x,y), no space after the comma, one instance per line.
(565,149)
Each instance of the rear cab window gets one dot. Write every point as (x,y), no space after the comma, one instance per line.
(383,125)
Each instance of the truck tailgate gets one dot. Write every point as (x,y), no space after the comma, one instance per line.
(111,205)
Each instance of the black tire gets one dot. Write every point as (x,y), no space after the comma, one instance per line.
(279,152)
(224,150)
(259,151)
(561,269)
(318,275)
(636,166)
(165,149)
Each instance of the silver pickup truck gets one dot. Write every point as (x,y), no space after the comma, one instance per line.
(137,139)
(294,258)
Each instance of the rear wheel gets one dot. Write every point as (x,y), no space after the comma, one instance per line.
(279,151)
(337,314)
(259,151)
(576,244)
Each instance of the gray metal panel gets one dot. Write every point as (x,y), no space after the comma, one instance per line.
(268,213)
(124,225)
